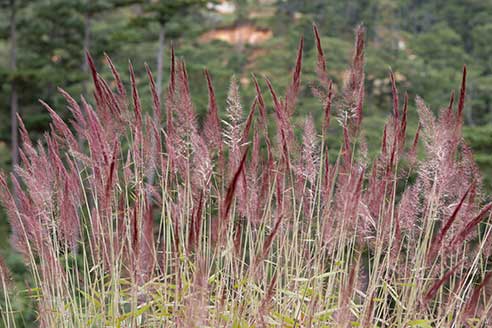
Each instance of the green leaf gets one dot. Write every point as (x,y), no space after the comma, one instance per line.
(420,323)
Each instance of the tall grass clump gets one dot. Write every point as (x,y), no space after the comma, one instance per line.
(130,219)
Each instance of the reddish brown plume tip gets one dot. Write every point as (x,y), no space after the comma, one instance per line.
(394,92)
(300,49)
(232,186)
(211,94)
(93,70)
(435,287)
(318,43)
(293,90)
(321,62)
(172,84)
(359,46)
(451,100)
(461,102)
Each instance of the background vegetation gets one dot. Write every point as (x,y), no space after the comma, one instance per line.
(426,42)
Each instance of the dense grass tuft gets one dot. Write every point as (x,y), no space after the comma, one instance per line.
(127,219)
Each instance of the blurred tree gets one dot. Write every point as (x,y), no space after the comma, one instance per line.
(482,50)
(163,12)
(14,135)
(13,7)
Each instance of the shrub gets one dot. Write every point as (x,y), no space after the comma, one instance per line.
(124,223)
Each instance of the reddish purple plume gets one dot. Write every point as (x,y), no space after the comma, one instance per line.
(327,109)
(394,92)
(461,101)
(231,190)
(437,241)
(435,287)
(116,76)
(136,98)
(321,61)
(156,101)
(95,77)
(261,102)
(471,306)
(293,90)
(212,129)
(460,237)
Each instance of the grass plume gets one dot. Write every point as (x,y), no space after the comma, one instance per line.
(125,221)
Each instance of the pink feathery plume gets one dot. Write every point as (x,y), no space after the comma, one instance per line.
(392,160)
(5,274)
(156,102)
(283,126)
(26,140)
(403,125)
(359,105)
(309,156)
(277,103)
(293,90)
(267,244)
(150,153)
(354,91)
(249,121)
(69,222)
(279,186)
(327,109)
(261,102)
(138,126)
(356,195)
(328,178)
(394,92)
(186,114)
(117,78)
(321,61)
(95,78)
(268,172)
(471,306)
(412,153)
(357,72)
(451,101)
(212,129)
(233,131)
(347,152)
(196,223)
(111,179)
(183,76)
(79,123)
(147,256)
(61,127)
(437,241)
(136,98)
(171,95)
(110,102)
(231,190)
(254,201)
(460,237)
(172,80)
(202,164)
(16,222)
(461,101)
(435,287)
(95,136)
